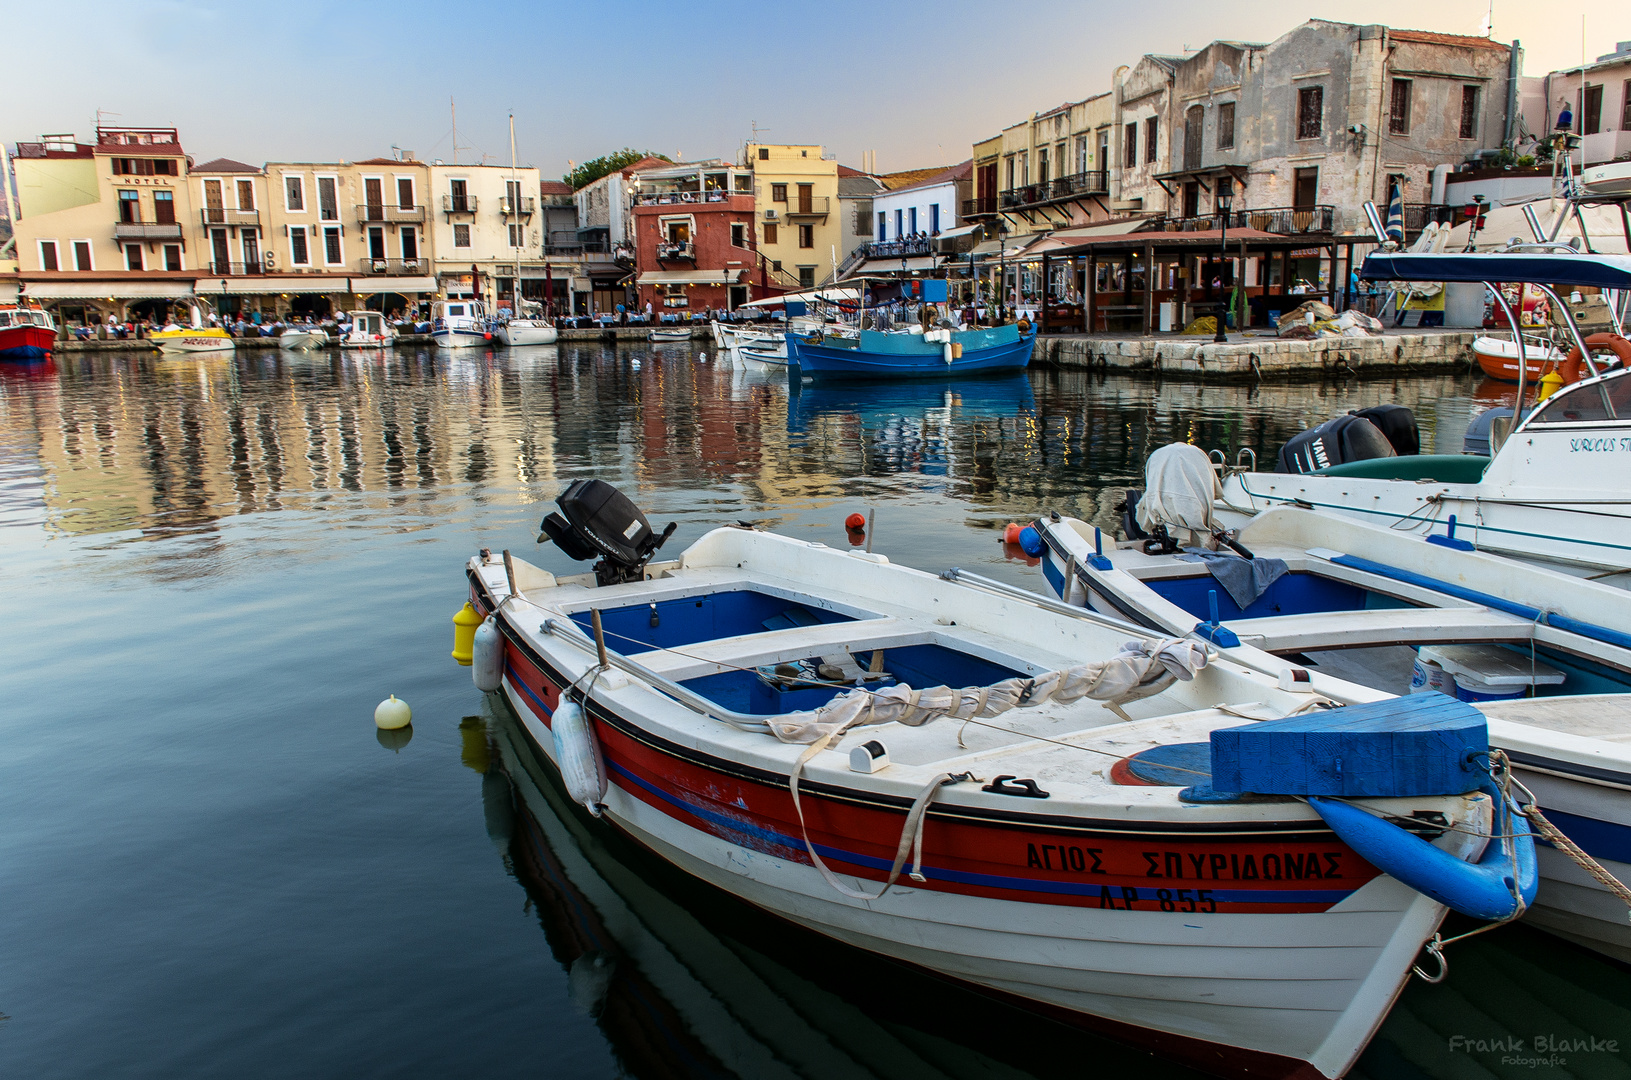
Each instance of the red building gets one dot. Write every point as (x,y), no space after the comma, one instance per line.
(693,236)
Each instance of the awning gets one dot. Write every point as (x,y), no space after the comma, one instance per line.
(689,277)
(102,290)
(1013,245)
(1600,271)
(831,296)
(370,286)
(906,265)
(961,230)
(258,285)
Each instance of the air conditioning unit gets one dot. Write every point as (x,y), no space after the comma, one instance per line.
(770,215)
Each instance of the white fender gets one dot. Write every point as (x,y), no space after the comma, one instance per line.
(487,656)
(577,753)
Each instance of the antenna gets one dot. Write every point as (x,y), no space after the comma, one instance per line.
(454,109)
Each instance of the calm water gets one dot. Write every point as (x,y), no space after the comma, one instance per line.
(212,866)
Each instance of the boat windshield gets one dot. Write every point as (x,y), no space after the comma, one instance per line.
(1609,399)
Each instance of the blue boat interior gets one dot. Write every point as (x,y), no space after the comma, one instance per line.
(769,693)
(685,620)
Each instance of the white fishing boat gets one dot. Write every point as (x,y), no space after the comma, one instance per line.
(670,334)
(525,324)
(369,330)
(302,337)
(1358,611)
(195,338)
(748,712)
(459,324)
(773,356)
(1549,492)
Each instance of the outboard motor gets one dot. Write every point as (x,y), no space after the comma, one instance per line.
(1397,424)
(600,520)
(1337,441)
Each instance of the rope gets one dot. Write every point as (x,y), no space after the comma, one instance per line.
(1554,836)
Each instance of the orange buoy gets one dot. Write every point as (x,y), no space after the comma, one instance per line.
(855,522)
(1010,535)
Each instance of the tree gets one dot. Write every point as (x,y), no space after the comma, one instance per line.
(590,171)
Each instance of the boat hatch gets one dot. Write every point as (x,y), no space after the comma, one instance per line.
(685,620)
(813,681)
(1296,593)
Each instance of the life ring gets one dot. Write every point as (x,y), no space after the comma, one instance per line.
(1571,366)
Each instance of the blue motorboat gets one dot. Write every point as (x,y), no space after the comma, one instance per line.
(936,353)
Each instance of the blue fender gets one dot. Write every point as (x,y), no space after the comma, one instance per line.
(1481,890)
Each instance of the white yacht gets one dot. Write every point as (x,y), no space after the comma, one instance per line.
(458,324)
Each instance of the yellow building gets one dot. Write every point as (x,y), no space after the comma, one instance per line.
(796,211)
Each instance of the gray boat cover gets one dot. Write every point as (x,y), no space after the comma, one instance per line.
(1179,487)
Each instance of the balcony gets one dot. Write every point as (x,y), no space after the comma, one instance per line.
(221,215)
(894,249)
(236,269)
(522,207)
(147,230)
(676,252)
(577,247)
(463,205)
(669,198)
(815,206)
(1284,220)
(1417,216)
(393,267)
(375,213)
(979,207)
(1074,186)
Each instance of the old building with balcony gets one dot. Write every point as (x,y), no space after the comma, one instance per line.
(907,219)
(693,236)
(1047,172)
(1598,97)
(230,196)
(797,212)
(485,221)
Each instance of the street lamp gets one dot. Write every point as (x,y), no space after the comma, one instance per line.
(1225,200)
(1002,272)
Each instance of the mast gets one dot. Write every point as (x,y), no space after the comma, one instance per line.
(454,109)
(515,184)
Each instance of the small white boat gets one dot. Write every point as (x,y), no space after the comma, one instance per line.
(1364,611)
(300,337)
(459,324)
(674,334)
(526,331)
(769,355)
(1607,181)
(750,717)
(369,330)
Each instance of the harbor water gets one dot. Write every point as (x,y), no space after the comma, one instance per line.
(212,569)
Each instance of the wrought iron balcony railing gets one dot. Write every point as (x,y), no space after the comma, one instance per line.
(389,214)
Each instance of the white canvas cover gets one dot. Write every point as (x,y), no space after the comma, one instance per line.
(1179,488)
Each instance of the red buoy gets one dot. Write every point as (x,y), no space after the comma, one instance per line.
(1010,535)
(855,523)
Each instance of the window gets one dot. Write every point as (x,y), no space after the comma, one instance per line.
(1226,126)
(1010,186)
(770,232)
(806,236)
(883,224)
(1041,167)
(172,257)
(252,250)
(1152,137)
(807,277)
(1083,154)
(246,195)
(298,255)
(934,219)
(331,247)
(48,255)
(1625,108)
(911,220)
(144,167)
(776,266)
(130,207)
(461,236)
(739,234)
(459,196)
(764,154)
(778,192)
(1398,116)
(1574,405)
(1310,112)
(900,224)
(1194,132)
(164,207)
(1305,189)
(328,199)
(1024,168)
(1591,114)
(294,194)
(133,257)
(82,255)
(512,193)
(410,243)
(518,236)
(1129,146)
(404,193)
(1469,110)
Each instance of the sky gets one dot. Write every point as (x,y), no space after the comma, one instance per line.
(917,83)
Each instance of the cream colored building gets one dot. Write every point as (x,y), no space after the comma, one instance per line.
(797,214)
(484,218)
(1052,170)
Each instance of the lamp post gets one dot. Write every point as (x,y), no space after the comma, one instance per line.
(1002,271)
(1225,200)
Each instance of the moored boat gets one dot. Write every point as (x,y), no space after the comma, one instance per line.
(459,324)
(670,334)
(26,333)
(1044,857)
(302,337)
(1497,357)
(526,331)
(197,338)
(369,330)
(912,353)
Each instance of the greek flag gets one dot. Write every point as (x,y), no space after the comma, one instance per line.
(1395,214)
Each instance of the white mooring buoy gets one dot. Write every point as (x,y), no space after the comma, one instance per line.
(393,713)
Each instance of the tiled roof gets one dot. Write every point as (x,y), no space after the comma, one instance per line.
(222,164)
(956,172)
(554,187)
(909,178)
(387,161)
(1427,37)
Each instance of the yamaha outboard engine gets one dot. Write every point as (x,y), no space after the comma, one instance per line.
(1335,442)
(1397,424)
(600,520)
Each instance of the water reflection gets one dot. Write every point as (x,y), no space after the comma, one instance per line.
(160,448)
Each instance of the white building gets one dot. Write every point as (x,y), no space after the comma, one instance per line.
(928,207)
(483,218)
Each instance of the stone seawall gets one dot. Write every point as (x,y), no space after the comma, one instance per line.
(1263,358)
